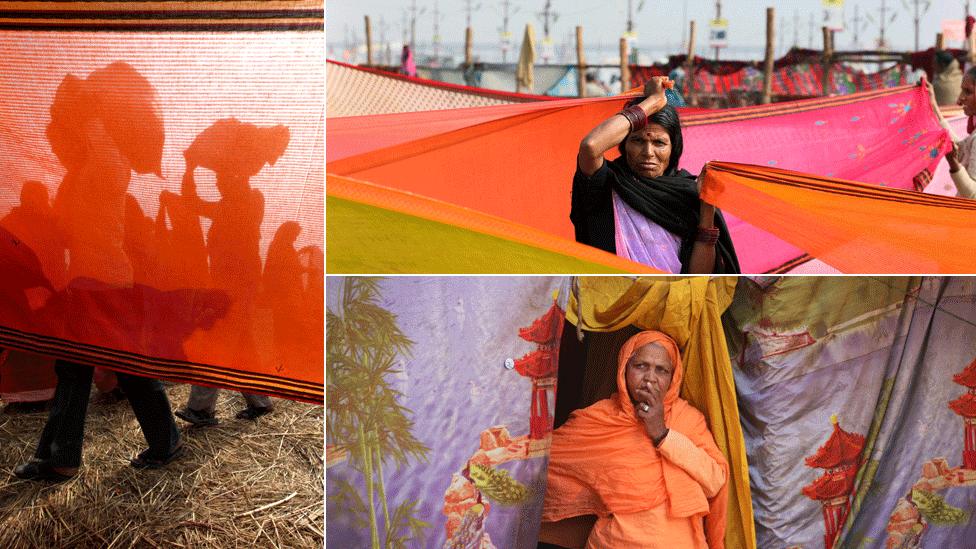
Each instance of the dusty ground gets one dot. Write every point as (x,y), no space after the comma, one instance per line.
(240,484)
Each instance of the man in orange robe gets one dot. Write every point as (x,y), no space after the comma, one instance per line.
(643,462)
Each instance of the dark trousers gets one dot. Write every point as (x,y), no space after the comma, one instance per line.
(64,433)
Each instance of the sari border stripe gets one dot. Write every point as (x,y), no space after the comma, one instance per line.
(165,16)
(174,370)
(9,25)
(840,186)
(791,264)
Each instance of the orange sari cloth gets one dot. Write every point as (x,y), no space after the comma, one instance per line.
(603,463)
(162,190)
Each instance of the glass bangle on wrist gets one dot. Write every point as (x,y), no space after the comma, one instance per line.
(636,117)
(707,235)
(657,441)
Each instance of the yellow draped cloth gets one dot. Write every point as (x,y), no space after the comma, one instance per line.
(523,72)
(689,309)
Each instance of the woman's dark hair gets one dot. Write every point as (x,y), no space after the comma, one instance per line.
(943,59)
(668,119)
(971,73)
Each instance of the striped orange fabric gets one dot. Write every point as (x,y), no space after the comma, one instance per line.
(151,16)
(855,227)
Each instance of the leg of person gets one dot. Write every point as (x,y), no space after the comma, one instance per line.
(257,406)
(200,407)
(151,407)
(58,453)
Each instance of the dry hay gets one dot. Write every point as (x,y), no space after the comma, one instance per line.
(239,484)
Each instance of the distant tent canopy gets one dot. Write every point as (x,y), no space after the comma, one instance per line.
(358,91)
(162,192)
(547,79)
(798,74)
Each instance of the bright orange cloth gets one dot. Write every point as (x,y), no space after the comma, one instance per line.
(603,463)
(161,204)
(853,227)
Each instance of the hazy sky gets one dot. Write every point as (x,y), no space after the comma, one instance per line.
(658,24)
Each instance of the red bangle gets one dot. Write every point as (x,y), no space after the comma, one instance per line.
(636,116)
(707,235)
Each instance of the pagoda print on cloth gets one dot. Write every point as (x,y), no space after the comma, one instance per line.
(857,400)
(440,401)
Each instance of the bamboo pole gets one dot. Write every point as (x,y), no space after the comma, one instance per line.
(939,41)
(468,46)
(767,96)
(580,63)
(828,55)
(369,42)
(690,64)
(972,47)
(624,65)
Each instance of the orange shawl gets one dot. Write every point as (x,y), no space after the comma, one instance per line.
(602,462)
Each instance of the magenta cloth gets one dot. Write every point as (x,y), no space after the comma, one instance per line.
(941,183)
(640,239)
(885,140)
(407,65)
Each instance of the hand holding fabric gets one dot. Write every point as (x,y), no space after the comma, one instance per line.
(655,87)
(952,157)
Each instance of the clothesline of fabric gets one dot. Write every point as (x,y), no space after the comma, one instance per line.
(516,162)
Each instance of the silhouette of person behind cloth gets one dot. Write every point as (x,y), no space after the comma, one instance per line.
(284,292)
(102,128)
(33,223)
(235,151)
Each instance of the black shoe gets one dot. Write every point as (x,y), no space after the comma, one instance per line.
(17,408)
(254,412)
(143,461)
(198,418)
(36,469)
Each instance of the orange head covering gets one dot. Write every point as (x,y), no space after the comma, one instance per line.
(628,350)
(602,461)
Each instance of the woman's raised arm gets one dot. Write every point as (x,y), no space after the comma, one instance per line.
(613,130)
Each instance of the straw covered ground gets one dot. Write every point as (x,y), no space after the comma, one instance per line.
(240,484)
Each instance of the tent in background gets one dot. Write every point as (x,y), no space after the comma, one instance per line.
(844,404)
(474,379)
(856,396)
(358,91)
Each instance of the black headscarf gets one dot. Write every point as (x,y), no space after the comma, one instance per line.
(672,202)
